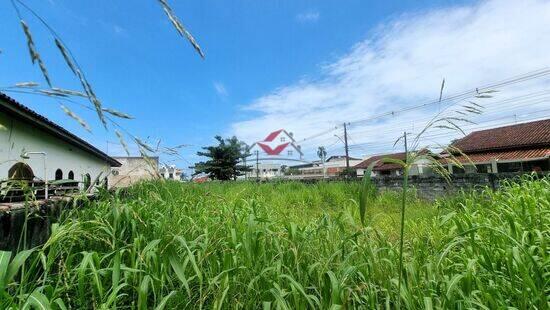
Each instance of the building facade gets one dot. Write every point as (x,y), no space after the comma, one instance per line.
(170,172)
(33,147)
(269,157)
(133,170)
(264,171)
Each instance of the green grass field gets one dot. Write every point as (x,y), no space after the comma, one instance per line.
(288,246)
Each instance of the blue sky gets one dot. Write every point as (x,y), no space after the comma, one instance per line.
(263,55)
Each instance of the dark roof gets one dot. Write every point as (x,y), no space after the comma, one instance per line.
(341,157)
(134,157)
(16,109)
(301,166)
(527,135)
(381,166)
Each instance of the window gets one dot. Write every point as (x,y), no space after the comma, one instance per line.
(283,139)
(484,168)
(58,174)
(289,152)
(20,171)
(458,170)
(71,175)
(510,167)
(538,165)
(171,176)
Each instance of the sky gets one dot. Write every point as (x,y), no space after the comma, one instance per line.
(305,66)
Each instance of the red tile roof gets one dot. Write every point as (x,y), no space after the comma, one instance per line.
(526,135)
(381,166)
(367,162)
(486,157)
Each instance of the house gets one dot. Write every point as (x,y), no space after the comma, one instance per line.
(332,167)
(133,170)
(35,149)
(264,171)
(516,148)
(170,172)
(200,178)
(277,144)
(268,157)
(382,168)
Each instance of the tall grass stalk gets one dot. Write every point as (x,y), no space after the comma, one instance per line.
(288,245)
(445,119)
(402,224)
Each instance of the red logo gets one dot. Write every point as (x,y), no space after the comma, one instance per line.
(268,146)
(276,151)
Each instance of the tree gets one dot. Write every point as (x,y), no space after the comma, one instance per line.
(322,153)
(224,159)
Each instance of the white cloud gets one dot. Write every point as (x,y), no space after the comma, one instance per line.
(220,89)
(308,17)
(403,62)
(118,29)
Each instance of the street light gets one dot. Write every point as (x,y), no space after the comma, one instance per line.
(26,155)
(337,136)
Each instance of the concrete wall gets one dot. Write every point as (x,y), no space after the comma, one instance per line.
(431,187)
(21,136)
(40,217)
(133,170)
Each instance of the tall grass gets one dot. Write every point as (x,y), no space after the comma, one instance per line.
(288,246)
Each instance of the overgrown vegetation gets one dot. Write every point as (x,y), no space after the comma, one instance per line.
(289,246)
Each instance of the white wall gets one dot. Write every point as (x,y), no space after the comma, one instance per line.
(60,154)
(267,174)
(133,170)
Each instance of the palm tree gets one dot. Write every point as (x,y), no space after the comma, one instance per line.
(322,153)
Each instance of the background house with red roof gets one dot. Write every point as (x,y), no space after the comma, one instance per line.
(516,148)
(334,166)
(278,149)
(382,168)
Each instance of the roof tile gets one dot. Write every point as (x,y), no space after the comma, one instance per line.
(532,134)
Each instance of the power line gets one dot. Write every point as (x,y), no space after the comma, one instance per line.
(460,96)
(450,100)
(472,127)
(520,103)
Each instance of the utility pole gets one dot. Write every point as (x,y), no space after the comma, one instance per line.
(257,165)
(346,145)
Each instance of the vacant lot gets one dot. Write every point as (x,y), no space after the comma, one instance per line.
(289,245)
